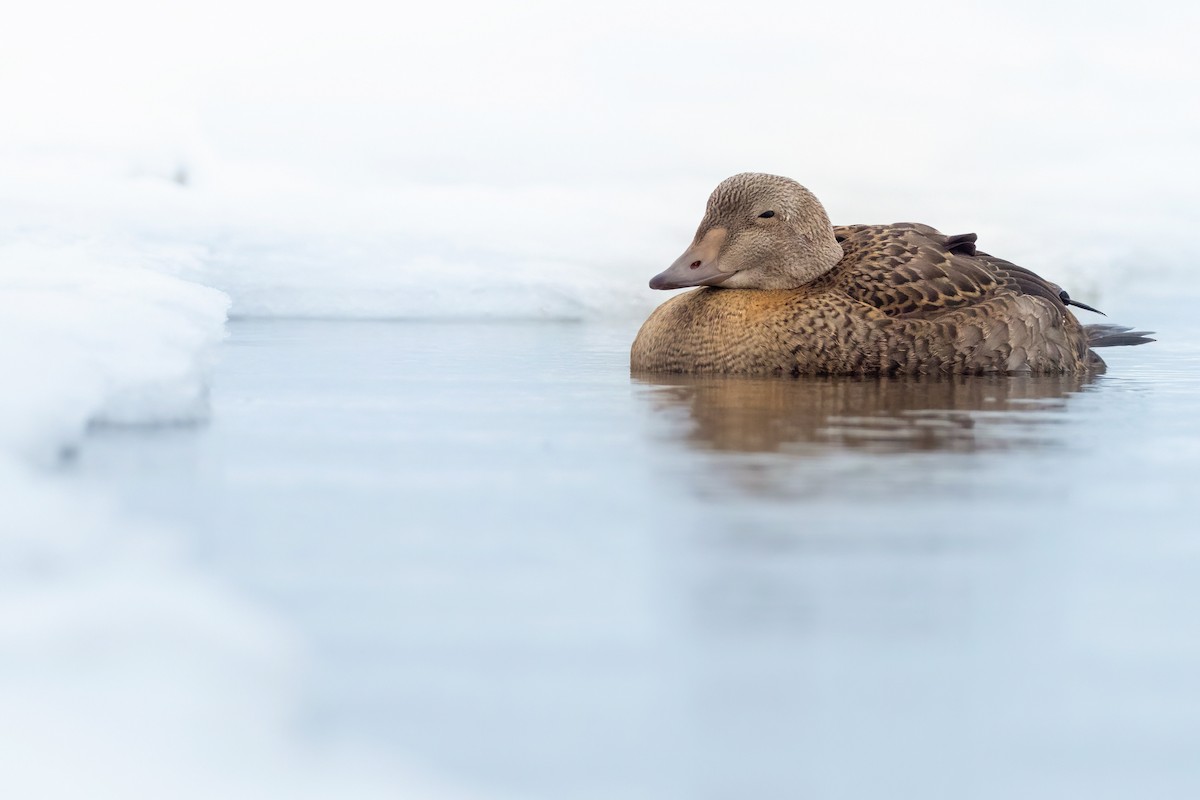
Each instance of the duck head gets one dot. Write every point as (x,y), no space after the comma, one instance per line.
(759,232)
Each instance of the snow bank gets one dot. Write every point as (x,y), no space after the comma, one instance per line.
(544,163)
(97,337)
(125,672)
(288,245)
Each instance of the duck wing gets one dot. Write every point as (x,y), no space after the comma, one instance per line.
(908,269)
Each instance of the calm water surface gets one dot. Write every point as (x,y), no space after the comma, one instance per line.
(518,566)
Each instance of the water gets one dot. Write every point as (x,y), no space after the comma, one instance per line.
(513,563)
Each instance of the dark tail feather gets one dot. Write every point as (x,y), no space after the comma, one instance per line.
(1115,336)
(1066,298)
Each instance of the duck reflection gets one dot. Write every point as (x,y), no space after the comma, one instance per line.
(961,414)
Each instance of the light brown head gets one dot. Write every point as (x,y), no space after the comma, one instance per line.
(759,232)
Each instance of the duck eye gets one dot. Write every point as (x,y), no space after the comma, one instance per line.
(766,215)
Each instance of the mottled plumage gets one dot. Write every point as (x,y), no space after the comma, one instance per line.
(811,299)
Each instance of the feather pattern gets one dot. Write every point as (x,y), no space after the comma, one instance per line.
(902,299)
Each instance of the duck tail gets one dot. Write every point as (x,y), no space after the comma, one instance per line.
(1115,336)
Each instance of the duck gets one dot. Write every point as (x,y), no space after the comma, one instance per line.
(779,290)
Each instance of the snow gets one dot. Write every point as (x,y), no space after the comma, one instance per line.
(97,337)
(462,163)
(124,671)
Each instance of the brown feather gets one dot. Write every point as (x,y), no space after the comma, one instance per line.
(903,299)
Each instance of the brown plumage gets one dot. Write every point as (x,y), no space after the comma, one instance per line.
(786,293)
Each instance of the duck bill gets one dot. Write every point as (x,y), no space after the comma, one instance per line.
(699,266)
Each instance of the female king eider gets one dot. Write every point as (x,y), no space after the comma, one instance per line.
(786,293)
